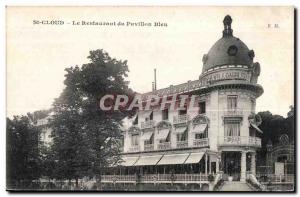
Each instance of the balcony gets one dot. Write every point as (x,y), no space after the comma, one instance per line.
(147,124)
(181,144)
(181,119)
(201,142)
(239,141)
(148,147)
(164,146)
(134,148)
(233,112)
(156,178)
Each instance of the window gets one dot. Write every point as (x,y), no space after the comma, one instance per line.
(182,136)
(232,102)
(135,140)
(165,114)
(183,111)
(201,135)
(202,107)
(150,117)
(252,105)
(150,141)
(232,128)
(136,120)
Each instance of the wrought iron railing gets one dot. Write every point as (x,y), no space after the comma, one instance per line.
(233,112)
(164,146)
(181,144)
(148,147)
(134,148)
(157,178)
(201,142)
(273,178)
(179,119)
(147,124)
(239,141)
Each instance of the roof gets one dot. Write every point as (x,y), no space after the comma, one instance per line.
(228,50)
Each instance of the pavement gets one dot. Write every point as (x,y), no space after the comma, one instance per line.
(235,186)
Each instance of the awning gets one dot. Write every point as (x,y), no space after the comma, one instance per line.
(180,129)
(129,161)
(147,135)
(148,160)
(199,128)
(256,127)
(173,159)
(194,158)
(147,114)
(163,134)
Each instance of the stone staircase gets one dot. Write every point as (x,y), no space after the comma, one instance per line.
(236,186)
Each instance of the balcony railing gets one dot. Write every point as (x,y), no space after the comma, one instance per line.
(147,124)
(201,142)
(179,119)
(157,178)
(148,147)
(134,149)
(273,178)
(239,141)
(182,144)
(164,146)
(233,112)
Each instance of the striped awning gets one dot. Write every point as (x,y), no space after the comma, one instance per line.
(194,158)
(256,127)
(163,134)
(147,135)
(129,161)
(148,160)
(180,129)
(199,128)
(173,159)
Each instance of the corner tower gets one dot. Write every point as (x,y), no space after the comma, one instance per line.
(229,79)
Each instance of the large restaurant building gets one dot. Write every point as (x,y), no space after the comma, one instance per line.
(218,135)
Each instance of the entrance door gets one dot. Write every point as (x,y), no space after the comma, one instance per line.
(231,164)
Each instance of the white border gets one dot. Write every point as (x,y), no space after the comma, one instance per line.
(3,3)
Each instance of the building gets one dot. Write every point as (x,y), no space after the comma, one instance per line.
(45,131)
(219,135)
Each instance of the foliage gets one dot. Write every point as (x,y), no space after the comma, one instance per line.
(85,137)
(23,161)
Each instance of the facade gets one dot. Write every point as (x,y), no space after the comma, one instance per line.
(218,135)
(46,131)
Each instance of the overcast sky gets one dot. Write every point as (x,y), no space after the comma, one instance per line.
(38,54)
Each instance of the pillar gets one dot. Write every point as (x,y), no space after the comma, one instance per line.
(253,163)
(206,164)
(217,165)
(243,167)
(210,165)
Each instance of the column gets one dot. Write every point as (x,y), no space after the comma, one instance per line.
(209,165)
(217,165)
(205,163)
(243,167)
(253,163)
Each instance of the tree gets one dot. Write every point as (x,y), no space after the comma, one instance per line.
(85,137)
(273,126)
(23,163)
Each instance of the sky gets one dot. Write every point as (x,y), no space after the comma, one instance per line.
(38,54)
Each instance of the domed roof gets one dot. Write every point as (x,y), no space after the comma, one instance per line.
(228,50)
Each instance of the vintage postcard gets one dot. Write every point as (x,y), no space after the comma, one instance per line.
(182,98)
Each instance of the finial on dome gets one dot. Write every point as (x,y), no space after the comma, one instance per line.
(227,26)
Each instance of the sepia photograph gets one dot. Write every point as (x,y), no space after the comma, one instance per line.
(150,98)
